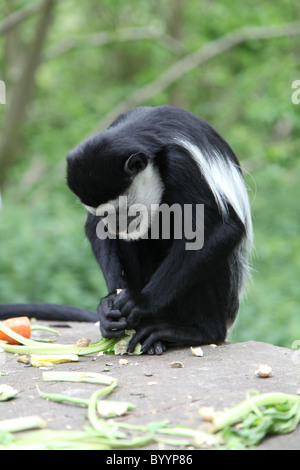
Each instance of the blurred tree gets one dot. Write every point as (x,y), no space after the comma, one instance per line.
(24,85)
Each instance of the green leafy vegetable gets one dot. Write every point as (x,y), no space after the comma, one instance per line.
(249,422)
(240,427)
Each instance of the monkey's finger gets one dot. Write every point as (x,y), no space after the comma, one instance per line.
(104,311)
(111,333)
(113,315)
(110,319)
(114,325)
(153,343)
(138,338)
(157,348)
(117,325)
(121,299)
(111,329)
(134,317)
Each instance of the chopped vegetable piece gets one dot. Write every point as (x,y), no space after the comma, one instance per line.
(82,343)
(38,360)
(264,370)
(20,325)
(112,409)
(123,362)
(67,376)
(196,351)
(207,413)
(122,344)
(23,359)
(22,424)
(238,412)
(7,392)
(176,365)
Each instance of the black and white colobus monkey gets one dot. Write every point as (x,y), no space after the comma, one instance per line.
(155,156)
(150,157)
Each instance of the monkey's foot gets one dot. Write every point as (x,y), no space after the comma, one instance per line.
(153,337)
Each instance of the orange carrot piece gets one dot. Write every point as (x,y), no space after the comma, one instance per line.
(19,325)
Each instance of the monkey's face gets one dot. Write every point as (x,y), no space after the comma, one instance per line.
(123,190)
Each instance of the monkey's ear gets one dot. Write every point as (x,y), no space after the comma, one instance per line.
(135,163)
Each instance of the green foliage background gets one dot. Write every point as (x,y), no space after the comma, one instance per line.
(244,93)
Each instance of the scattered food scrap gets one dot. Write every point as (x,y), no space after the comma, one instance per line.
(123,362)
(7,392)
(82,343)
(197,351)
(38,360)
(112,409)
(176,365)
(264,370)
(207,413)
(23,359)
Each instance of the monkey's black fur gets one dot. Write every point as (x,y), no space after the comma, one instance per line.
(170,294)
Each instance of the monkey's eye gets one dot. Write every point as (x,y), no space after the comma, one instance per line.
(135,163)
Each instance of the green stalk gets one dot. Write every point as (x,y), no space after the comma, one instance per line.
(22,424)
(29,346)
(62,398)
(99,424)
(58,440)
(35,347)
(12,334)
(66,376)
(176,430)
(77,440)
(44,328)
(76,401)
(238,412)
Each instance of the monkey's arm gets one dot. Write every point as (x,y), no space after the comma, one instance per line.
(106,254)
(177,272)
(180,270)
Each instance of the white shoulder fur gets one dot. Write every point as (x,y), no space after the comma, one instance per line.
(225,182)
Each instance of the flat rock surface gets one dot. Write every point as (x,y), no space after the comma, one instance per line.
(221,378)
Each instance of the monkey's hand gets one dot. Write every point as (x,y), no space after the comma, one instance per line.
(112,322)
(133,307)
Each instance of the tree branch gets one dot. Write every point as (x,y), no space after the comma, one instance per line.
(18,16)
(109,37)
(176,71)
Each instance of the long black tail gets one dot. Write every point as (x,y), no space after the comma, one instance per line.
(47,312)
